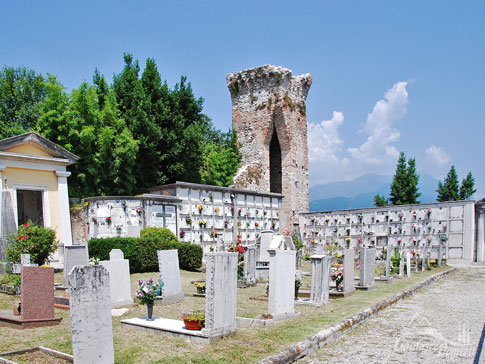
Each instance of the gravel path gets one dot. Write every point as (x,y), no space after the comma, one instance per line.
(441,324)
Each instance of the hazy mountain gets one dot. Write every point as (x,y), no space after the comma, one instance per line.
(359,193)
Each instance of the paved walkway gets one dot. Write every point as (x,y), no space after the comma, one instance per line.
(441,324)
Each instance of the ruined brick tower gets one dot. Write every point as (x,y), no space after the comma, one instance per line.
(269,117)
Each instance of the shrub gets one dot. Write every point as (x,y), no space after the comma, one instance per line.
(160,234)
(142,252)
(38,241)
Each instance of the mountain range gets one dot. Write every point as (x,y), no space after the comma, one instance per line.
(360,192)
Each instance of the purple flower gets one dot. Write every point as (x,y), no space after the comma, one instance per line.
(140,281)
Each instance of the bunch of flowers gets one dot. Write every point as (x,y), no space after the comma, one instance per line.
(200,208)
(188,220)
(237,247)
(182,234)
(148,291)
(138,210)
(213,234)
(337,276)
(108,220)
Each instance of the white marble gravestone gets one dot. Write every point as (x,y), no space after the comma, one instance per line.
(168,264)
(220,294)
(319,291)
(367,266)
(348,283)
(408,263)
(281,302)
(119,278)
(74,255)
(265,241)
(249,271)
(90,311)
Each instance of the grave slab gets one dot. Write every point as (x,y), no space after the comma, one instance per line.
(168,264)
(119,278)
(74,255)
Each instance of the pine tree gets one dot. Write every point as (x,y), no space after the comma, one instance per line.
(412,193)
(449,189)
(399,186)
(467,187)
(380,201)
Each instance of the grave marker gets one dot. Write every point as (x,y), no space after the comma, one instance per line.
(367,267)
(168,264)
(348,283)
(319,291)
(119,278)
(74,255)
(90,311)
(249,271)
(281,283)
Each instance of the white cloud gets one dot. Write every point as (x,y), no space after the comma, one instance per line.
(437,155)
(378,148)
(377,154)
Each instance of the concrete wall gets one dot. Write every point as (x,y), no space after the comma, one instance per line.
(407,225)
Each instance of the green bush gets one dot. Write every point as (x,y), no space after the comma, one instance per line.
(38,241)
(142,252)
(160,234)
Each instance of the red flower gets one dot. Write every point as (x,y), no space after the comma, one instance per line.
(240,249)
(26,224)
(24,237)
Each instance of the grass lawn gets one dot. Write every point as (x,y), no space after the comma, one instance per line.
(248,345)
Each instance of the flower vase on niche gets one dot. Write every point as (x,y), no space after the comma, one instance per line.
(147,293)
(150,311)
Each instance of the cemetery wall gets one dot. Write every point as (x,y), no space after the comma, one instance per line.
(269,118)
(199,214)
(452,223)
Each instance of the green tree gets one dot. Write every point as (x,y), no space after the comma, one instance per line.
(380,201)
(467,187)
(404,186)
(221,161)
(412,193)
(21,92)
(449,189)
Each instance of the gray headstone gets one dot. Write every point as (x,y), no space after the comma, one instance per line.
(281,302)
(367,266)
(440,254)
(74,255)
(90,311)
(168,264)
(24,259)
(266,237)
(116,254)
(320,278)
(408,264)
(401,263)
(220,293)
(119,279)
(348,270)
(249,271)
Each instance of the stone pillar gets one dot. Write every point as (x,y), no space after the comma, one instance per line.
(367,266)
(281,300)
(390,253)
(74,255)
(348,270)
(90,311)
(269,118)
(481,235)
(249,271)
(168,264)
(220,293)
(440,253)
(119,278)
(408,263)
(401,263)
(65,232)
(320,278)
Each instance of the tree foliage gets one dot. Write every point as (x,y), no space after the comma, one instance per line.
(450,189)
(380,201)
(404,187)
(133,134)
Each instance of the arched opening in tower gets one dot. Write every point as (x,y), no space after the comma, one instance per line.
(275,172)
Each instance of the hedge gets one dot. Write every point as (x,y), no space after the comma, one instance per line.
(142,252)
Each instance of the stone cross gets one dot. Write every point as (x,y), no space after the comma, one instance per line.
(320,278)
(348,283)
(119,278)
(74,255)
(168,264)
(249,271)
(90,311)
(24,261)
(281,300)
(220,293)
(367,266)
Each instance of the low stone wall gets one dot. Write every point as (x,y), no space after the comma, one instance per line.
(319,340)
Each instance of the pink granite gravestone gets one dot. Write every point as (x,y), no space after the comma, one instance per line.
(37,309)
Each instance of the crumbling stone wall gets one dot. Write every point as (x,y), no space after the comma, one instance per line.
(269,100)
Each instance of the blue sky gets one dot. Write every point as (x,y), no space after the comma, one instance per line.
(388,76)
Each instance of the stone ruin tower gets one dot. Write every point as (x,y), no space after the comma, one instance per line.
(269,117)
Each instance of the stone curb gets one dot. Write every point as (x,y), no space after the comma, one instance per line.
(314,342)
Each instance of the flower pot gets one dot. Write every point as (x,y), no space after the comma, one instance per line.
(201,290)
(150,311)
(192,324)
(296,292)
